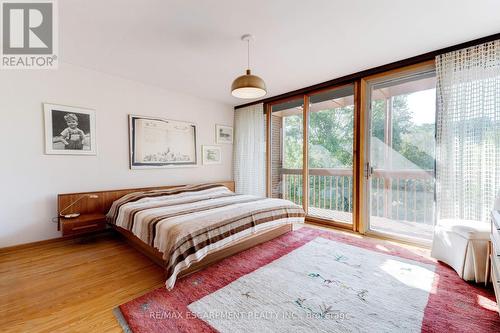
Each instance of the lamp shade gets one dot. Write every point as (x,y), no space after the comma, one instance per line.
(248,86)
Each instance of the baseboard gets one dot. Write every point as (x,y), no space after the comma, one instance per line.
(23,246)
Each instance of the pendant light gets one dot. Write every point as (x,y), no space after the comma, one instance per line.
(248,86)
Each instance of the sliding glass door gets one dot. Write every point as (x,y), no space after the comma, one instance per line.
(330,154)
(400,154)
(360,155)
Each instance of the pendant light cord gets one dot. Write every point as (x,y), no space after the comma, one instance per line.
(248,53)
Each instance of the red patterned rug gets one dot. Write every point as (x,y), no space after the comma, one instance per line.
(449,303)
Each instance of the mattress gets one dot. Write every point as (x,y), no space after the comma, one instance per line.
(187,223)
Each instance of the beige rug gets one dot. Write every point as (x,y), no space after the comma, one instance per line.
(323,286)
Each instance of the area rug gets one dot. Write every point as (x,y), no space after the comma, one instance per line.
(311,280)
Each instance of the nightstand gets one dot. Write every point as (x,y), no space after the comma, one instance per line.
(83,224)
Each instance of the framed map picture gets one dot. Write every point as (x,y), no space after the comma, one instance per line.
(161,143)
(211,154)
(69,130)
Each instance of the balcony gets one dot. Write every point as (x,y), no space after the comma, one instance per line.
(401,201)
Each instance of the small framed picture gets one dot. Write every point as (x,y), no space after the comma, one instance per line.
(224,134)
(211,154)
(69,130)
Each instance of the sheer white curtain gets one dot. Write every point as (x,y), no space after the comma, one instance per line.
(249,160)
(468,132)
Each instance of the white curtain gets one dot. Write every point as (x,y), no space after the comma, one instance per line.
(249,160)
(468,132)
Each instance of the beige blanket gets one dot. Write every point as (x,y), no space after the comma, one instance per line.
(186,223)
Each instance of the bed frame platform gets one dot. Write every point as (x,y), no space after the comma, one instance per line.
(105,199)
(213,257)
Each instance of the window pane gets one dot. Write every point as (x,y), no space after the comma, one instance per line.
(331,134)
(402,145)
(287,150)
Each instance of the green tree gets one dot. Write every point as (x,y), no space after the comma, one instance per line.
(414,142)
(331,133)
(330,138)
(292,127)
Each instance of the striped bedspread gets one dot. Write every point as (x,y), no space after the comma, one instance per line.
(187,223)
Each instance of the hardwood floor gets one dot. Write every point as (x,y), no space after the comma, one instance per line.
(72,286)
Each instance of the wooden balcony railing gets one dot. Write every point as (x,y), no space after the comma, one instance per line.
(404,195)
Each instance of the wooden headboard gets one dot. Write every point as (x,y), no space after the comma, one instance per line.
(105,198)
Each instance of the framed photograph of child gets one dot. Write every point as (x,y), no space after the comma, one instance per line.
(211,154)
(223,134)
(69,130)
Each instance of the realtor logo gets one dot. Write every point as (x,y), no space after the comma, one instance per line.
(29,34)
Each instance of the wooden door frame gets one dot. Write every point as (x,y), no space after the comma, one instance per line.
(357,162)
(364,101)
(305,154)
(267,108)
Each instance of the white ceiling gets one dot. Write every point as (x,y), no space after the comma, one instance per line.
(193,46)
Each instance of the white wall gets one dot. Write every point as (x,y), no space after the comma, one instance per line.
(31,180)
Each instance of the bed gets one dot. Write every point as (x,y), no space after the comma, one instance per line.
(188,227)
